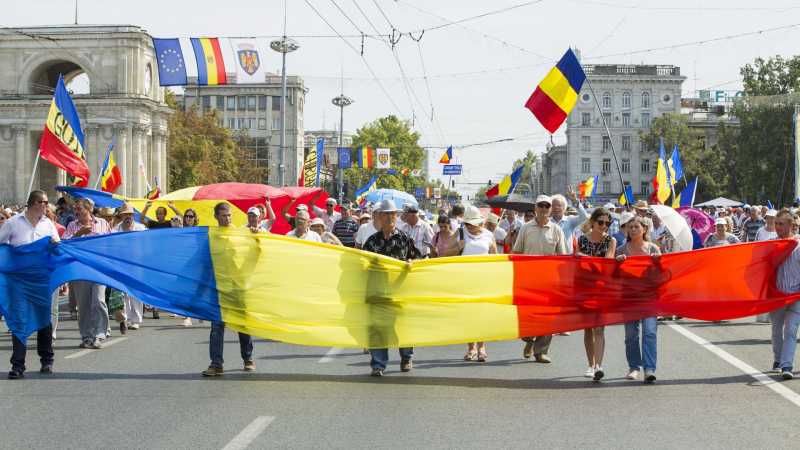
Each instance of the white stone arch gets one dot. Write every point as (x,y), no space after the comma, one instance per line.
(40,73)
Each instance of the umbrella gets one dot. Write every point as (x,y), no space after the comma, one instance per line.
(676,225)
(514,202)
(698,220)
(720,201)
(400,198)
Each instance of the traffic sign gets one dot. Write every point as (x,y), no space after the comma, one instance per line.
(452,169)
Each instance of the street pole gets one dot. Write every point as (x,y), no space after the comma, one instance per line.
(341,101)
(283,45)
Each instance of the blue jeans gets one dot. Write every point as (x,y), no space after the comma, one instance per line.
(217,341)
(380,356)
(648,354)
(776,319)
(792,321)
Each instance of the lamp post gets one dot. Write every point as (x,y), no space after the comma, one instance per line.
(283,45)
(341,101)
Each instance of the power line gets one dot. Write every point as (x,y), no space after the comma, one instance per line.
(477,17)
(777,9)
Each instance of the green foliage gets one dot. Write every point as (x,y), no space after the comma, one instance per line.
(525,177)
(202,152)
(772,77)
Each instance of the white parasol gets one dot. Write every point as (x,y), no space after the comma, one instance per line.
(676,225)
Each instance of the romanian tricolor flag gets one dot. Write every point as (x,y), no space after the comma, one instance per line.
(428,192)
(507,185)
(626,197)
(448,156)
(210,66)
(62,139)
(404,171)
(589,188)
(686,197)
(364,157)
(362,192)
(155,193)
(555,96)
(111,179)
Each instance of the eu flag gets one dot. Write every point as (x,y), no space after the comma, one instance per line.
(418,193)
(171,65)
(344,158)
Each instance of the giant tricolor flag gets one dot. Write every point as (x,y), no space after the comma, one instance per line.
(62,139)
(210,66)
(111,178)
(555,96)
(507,185)
(589,188)
(364,157)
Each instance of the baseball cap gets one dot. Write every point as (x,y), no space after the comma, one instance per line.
(254,210)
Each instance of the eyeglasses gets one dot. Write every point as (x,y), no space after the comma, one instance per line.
(543,205)
(187,216)
(606,223)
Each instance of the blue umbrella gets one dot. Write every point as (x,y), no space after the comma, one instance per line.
(400,198)
(428,215)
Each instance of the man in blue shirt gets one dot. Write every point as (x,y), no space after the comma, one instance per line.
(568,224)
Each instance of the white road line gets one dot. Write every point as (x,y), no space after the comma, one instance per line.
(107,343)
(243,439)
(743,366)
(330,356)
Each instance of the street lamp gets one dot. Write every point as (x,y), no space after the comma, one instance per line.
(341,101)
(283,45)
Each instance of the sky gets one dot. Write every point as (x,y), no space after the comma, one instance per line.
(465,80)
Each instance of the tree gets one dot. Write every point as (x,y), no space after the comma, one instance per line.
(760,150)
(202,152)
(708,165)
(528,161)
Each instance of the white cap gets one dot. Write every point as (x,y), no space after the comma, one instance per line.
(254,210)
(301,207)
(330,200)
(721,222)
(771,212)
(625,217)
(609,206)
(544,198)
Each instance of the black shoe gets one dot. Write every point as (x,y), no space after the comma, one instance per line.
(155,315)
(15,375)
(47,368)
(122,328)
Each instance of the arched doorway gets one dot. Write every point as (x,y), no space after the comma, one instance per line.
(44,78)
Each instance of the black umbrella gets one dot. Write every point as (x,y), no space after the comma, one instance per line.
(514,202)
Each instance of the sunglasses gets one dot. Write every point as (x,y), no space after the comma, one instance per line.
(187,216)
(603,222)
(528,216)
(543,205)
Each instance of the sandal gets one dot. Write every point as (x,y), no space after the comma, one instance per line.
(482,357)
(471,356)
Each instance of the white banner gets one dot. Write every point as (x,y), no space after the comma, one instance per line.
(437,193)
(416,172)
(248,61)
(384,158)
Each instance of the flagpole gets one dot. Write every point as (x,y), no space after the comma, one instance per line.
(613,151)
(35,165)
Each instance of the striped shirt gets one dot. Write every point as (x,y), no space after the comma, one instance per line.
(99,226)
(421,233)
(345,230)
(788,279)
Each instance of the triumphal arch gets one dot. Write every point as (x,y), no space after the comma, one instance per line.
(124,101)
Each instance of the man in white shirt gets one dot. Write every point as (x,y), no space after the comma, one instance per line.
(22,229)
(368,229)
(254,222)
(328,215)
(511,222)
(301,230)
(419,230)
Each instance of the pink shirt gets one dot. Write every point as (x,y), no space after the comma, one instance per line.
(441,244)
(99,226)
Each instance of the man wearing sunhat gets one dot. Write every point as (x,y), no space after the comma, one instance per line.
(389,241)
(541,237)
(641,209)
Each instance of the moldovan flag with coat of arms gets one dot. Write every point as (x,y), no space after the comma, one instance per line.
(62,139)
(210,66)
(555,96)
(248,61)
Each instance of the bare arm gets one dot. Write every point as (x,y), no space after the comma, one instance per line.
(454,246)
(175,210)
(334,240)
(65,196)
(612,248)
(143,215)
(270,214)
(285,211)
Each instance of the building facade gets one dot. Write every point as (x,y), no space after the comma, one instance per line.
(630,97)
(124,102)
(257,109)
(706,116)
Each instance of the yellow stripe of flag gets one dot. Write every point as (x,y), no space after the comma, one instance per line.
(211,71)
(557,87)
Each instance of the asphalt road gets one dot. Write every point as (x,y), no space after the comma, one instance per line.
(144,390)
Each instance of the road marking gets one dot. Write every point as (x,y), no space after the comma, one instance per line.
(243,439)
(743,366)
(330,356)
(107,343)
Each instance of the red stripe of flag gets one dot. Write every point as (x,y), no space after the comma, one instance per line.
(220,63)
(57,153)
(546,110)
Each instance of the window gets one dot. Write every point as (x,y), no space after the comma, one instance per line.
(586,119)
(606,143)
(645,100)
(626,99)
(644,187)
(645,166)
(231,123)
(276,103)
(231,102)
(206,102)
(626,165)
(606,165)
(606,187)
(242,101)
(251,102)
(626,185)
(586,142)
(642,147)
(241,123)
(262,102)
(645,119)
(276,124)
(607,100)
(626,119)
(607,118)
(251,124)
(262,124)
(585,165)
(220,102)
(626,143)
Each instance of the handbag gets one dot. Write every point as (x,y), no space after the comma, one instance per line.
(600,245)
(116,300)
(460,238)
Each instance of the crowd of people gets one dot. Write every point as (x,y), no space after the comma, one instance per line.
(550,226)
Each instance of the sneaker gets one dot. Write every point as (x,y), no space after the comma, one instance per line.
(366,351)
(155,314)
(542,358)
(73,315)
(633,375)
(566,333)
(133,326)
(598,374)
(108,333)
(589,373)
(86,344)
(187,322)
(649,376)
(528,352)
(787,374)
(15,375)
(776,367)
(97,344)
(249,365)
(213,371)
(47,368)
(376,373)
(122,328)
(406,365)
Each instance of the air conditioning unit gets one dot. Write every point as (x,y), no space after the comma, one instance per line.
(605,173)
(636,121)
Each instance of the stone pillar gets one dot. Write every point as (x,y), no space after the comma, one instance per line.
(20,174)
(164,166)
(136,156)
(159,143)
(121,157)
(94,156)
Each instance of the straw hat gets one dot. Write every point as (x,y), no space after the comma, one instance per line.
(126,208)
(472,216)
(641,204)
(105,212)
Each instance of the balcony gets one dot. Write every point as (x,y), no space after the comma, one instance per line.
(616,69)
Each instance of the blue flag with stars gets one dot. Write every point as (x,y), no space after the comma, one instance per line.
(344,158)
(171,65)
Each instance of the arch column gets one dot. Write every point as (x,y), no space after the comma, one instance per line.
(121,157)
(93,154)
(159,139)
(20,175)
(139,131)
